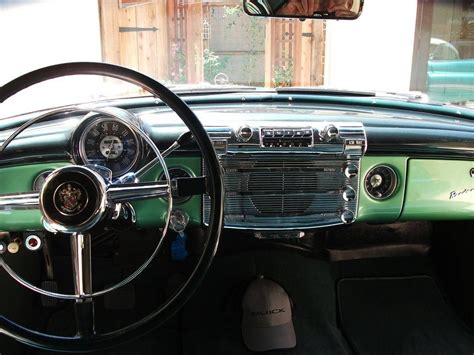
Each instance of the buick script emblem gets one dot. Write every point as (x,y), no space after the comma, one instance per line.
(70,198)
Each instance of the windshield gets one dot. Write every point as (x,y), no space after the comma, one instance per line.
(394,46)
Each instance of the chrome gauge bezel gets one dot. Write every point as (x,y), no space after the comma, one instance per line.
(393,186)
(178,200)
(42,175)
(93,121)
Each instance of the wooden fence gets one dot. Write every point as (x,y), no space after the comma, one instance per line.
(166,39)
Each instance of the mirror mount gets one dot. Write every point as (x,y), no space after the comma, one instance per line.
(305,9)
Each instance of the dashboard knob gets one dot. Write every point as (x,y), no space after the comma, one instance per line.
(13,247)
(330,132)
(244,134)
(3,248)
(347,217)
(351,171)
(349,194)
(178,220)
(33,242)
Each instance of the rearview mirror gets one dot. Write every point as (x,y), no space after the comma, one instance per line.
(313,9)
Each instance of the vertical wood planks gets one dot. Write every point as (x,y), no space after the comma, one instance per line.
(194,43)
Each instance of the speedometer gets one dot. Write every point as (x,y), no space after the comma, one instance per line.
(110,143)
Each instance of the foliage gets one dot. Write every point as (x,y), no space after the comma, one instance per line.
(213,65)
(253,29)
(232,13)
(283,75)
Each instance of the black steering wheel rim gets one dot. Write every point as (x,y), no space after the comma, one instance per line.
(215,190)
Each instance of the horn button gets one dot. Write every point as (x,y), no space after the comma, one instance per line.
(72,199)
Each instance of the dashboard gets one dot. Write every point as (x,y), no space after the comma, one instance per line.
(289,163)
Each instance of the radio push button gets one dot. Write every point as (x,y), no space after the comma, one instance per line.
(288,133)
(268,133)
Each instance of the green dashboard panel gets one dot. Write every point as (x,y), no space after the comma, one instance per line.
(150,213)
(439,190)
(426,190)
(20,179)
(382,211)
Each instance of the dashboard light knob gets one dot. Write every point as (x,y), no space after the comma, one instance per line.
(3,248)
(13,247)
(347,217)
(33,242)
(349,194)
(351,171)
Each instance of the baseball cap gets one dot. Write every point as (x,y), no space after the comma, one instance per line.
(267,317)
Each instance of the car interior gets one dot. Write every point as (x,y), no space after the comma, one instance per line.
(234,202)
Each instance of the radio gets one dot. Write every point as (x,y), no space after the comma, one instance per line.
(290,177)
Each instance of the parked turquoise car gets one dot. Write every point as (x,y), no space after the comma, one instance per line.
(450,78)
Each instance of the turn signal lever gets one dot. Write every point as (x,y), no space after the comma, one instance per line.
(183,139)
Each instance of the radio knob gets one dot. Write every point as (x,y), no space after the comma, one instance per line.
(349,194)
(244,134)
(347,217)
(330,132)
(351,171)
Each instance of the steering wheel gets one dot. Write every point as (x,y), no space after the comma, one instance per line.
(95,197)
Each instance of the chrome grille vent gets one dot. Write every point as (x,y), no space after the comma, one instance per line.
(280,191)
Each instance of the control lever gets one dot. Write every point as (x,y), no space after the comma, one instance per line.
(182,140)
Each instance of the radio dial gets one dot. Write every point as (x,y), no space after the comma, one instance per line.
(351,171)
(349,194)
(347,217)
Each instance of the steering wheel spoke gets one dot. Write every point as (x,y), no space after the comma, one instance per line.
(120,193)
(82,273)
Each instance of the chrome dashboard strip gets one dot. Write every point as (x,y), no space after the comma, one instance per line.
(19,201)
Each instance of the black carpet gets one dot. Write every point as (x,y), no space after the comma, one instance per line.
(211,320)
(400,316)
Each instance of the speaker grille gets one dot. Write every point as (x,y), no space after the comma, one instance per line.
(280,191)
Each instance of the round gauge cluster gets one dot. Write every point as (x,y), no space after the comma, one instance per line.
(110,143)
(381,182)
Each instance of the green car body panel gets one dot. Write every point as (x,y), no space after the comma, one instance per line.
(450,80)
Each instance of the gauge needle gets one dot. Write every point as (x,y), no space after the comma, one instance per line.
(110,149)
